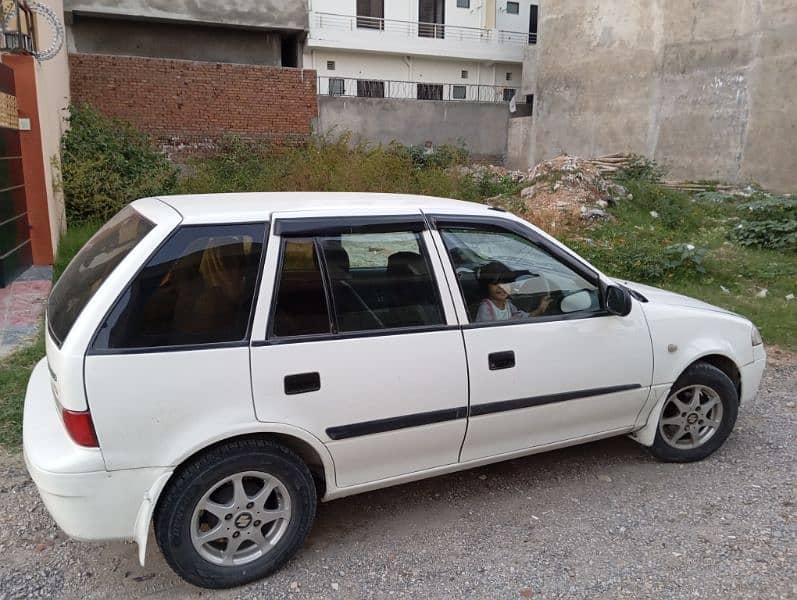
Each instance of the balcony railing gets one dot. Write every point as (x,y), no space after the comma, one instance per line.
(412,29)
(381,88)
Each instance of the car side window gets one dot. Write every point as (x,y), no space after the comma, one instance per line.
(381,281)
(198,288)
(506,277)
(301,304)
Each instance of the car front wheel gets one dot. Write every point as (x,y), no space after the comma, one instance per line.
(236,513)
(697,416)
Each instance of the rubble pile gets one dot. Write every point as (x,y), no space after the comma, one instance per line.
(567,188)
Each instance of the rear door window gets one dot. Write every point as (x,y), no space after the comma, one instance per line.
(91,267)
(197,289)
(381,281)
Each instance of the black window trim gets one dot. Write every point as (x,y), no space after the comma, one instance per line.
(442,221)
(342,225)
(244,342)
(315,226)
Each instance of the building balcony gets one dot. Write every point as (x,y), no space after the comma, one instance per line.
(414,38)
(415,90)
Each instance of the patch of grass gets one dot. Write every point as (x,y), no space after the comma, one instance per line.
(642,247)
(15,370)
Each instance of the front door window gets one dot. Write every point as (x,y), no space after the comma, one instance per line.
(506,277)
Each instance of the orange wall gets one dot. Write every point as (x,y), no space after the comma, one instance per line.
(32,158)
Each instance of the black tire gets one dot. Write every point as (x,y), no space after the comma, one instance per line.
(174,513)
(709,376)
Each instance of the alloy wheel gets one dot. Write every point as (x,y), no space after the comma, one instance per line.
(690,417)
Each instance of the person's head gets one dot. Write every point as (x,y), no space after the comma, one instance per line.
(493,280)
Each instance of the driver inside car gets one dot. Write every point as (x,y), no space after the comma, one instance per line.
(494,278)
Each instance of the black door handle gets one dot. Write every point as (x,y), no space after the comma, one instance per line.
(301,383)
(501,360)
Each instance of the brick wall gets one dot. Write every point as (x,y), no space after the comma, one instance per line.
(187,105)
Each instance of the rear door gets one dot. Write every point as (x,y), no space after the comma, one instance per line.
(359,344)
(561,369)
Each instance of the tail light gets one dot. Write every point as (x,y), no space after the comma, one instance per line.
(80,427)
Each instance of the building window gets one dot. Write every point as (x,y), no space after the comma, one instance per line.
(459,92)
(430,91)
(533,17)
(464,74)
(530,102)
(370,89)
(371,14)
(513,8)
(509,93)
(337,86)
(431,18)
(330,65)
(463,3)
(508,76)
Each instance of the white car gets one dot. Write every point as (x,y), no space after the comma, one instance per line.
(216,364)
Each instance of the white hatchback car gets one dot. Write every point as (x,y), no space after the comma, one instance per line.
(216,364)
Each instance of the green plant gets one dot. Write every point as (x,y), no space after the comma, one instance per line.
(106,163)
(15,371)
(768,222)
(641,168)
(685,257)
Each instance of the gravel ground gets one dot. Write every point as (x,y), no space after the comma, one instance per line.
(602,520)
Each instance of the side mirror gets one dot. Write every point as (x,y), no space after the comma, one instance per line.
(618,301)
(575,302)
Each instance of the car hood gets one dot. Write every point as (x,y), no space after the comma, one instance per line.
(659,296)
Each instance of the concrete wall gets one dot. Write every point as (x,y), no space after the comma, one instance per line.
(519,141)
(481,127)
(256,14)
(705,87)
(52,81)
(93,35)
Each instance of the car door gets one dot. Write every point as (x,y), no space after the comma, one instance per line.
(360,345)
(561,369)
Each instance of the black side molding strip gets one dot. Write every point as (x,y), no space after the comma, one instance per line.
(496,407)
(343,432)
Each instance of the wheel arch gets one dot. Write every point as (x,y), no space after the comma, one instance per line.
(647,432)
(311,450)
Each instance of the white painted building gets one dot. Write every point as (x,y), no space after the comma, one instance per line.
(469,50)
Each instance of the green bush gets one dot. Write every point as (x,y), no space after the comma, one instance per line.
(106,163)
(768,222)
(334,164)
(641,168)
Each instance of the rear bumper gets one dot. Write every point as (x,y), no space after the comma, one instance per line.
(752,373)
(87,502)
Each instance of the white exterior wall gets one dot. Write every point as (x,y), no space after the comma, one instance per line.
(475,41)
(360,65)
(333,25)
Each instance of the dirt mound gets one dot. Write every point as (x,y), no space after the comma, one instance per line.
(567,190)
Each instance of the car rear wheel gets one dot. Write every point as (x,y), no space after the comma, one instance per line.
(236,513)
(697,416)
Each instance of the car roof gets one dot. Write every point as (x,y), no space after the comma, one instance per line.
(258,206)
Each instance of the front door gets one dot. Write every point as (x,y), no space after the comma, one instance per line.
(547,364)
(361,347)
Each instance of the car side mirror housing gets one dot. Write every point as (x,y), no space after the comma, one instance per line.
(618,300)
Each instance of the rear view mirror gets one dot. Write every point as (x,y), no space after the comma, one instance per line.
(618,300)
(575,302)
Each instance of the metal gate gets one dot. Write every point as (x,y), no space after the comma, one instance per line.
(15,247)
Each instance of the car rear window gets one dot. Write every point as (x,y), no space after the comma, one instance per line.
(91,267)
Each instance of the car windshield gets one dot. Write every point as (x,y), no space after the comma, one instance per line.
(91,267)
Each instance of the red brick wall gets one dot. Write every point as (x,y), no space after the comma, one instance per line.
(193,103)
